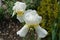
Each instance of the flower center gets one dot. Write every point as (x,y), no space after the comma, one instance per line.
(19,13)
(33,25)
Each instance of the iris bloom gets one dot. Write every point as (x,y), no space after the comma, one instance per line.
(32,19)
(19,8)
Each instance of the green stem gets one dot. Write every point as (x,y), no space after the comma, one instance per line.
(38,38)
(54,31)
(32,37)
(24,38)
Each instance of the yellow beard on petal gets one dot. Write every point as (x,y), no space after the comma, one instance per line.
(33,25)
(19,13)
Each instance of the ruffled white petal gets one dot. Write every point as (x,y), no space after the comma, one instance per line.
(20,18)
(28,11)
(41,32)
(22,32)
(19,6)
(31,17)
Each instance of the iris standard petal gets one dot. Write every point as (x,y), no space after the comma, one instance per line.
(31,17)
(19,6)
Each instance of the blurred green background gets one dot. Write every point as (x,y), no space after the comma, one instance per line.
(48,9)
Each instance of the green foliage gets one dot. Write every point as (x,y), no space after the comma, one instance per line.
(48,9)
(7,10)
(1,13)
(9,4)
(1,10)
(32,4)
(59,21)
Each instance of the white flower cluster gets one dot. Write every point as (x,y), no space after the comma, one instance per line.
(31,18)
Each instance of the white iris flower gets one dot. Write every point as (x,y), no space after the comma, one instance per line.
(19,8)
(32,19)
